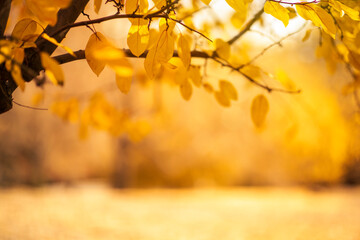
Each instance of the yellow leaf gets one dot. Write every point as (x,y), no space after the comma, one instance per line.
(6,48)
(228,89)
(123,83)
(222,49)
(207,2)
(159,3)
(18,56)
(25,29)
(354,60)
(96,41)
(122,68)
(66,110)
(138,36)
(97,5)
(46,10)
(165,47)
(277,11)
(259,110)
(307,35)
(52,69)
(183,47)
(17,76)
(53,41)
(237,5)
(208,87)
(342,8)
(238,19)
(318,16)
(151,64)
(136,6)
(166,25)
(153,38)
(195,75)
(186,90)
(284,79)
(222,99)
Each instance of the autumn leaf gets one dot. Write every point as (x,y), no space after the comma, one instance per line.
(318,16)
(195,75)
(237,5)
(259,110)
(97,5)
(52,69)
(165,47)
(17,76)
(138,36)
(284,79)
(228,89)
(342,8)
(96,41)
(208,87)
(53,41)
(222,99)
(207,2)
(25,30)
(277,11)
(46,10)
(123,83)
(222,48)
(151,64)
(183,48)
(186,90)
(138,6)
(67,110)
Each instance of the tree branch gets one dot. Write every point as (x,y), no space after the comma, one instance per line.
(247,27)
(5,6)
(122,16)
(32,58)
(80,54)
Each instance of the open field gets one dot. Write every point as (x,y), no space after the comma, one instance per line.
(97,212)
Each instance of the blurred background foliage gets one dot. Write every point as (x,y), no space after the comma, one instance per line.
(309,138)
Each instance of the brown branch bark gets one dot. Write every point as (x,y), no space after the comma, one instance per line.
(5,95)
(5,6)
(80,54)
(32,59)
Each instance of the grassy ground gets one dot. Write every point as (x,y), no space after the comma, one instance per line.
(95,212)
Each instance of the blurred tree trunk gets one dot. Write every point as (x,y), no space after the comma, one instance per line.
(123,171)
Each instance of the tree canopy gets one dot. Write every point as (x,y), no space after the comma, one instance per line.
(174,46)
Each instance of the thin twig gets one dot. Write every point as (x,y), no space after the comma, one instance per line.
(247,27)
(25,106)
(272,45)
(295,3)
